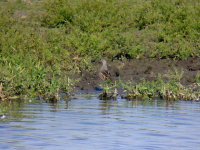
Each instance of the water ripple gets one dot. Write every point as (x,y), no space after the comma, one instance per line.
(112,125)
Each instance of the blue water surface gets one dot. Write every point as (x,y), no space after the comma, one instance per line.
(87,123)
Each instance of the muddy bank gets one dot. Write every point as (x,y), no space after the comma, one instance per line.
(137,70)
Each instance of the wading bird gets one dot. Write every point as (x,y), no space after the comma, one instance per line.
(104,74)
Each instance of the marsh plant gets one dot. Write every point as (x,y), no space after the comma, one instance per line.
(167,86)
(110,90)
(45,43)
(197,78)
(127,27)
(175,74)
(162,89)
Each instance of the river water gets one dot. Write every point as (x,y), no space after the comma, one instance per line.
(87,123)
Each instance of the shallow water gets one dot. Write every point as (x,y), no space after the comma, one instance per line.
(87,123)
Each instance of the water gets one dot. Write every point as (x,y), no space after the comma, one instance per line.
(88,124)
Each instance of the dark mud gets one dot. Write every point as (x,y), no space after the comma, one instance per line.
(137,70)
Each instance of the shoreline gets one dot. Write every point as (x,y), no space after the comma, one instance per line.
(135,70)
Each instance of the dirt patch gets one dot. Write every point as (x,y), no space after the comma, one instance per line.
(137,70)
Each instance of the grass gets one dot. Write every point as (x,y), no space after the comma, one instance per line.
(32,62)
(167,87)
(162,29)
(197,78)
(44,43)
(162,90)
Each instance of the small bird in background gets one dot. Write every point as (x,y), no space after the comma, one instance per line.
(104,74)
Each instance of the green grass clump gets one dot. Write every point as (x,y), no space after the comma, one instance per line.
(162,29)
(197,78)
(33,60)
(167,86)
(162,88)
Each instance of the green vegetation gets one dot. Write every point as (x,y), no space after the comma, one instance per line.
(171,90)
(110,91)
(139,28)
(167,87)
(198,78)
(44,43)
(32,61)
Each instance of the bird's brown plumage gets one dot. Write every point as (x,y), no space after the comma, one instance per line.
(104,74)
